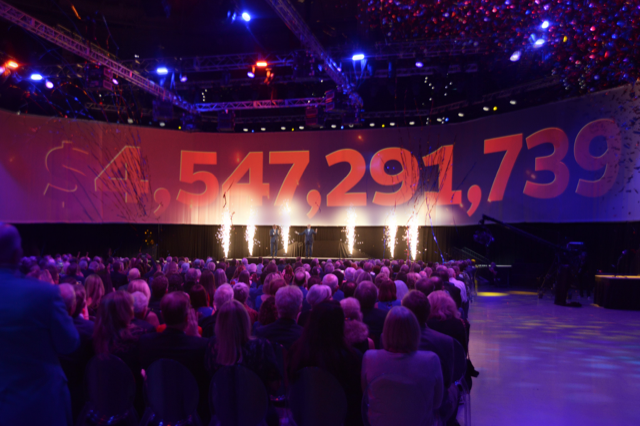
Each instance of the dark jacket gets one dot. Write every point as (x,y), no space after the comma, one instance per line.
(284,331)
(374,318)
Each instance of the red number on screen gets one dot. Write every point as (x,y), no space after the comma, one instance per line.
(609,160)
(553,163)
(299,161)
(256,188)
(511,145)
(443,159)
(124,174)
(188,160)
(408,177)
(339,197)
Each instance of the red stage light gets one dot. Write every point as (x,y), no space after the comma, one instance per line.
(261,64)
(12,65)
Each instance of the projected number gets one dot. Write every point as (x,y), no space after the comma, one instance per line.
(256,188)
(552,163)
(443,159)
(124,174)
(188,160)
(511,145)
(339,197)
(299,161)
(610,159)
(408,177)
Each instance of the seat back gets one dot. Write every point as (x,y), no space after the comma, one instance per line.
(238,397)
(317,398)
(110,386)
(172,391)
(392,399)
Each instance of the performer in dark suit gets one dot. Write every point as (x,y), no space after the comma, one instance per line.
(274,233)
(308,239)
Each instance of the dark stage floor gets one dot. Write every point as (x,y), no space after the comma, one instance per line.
(542,364)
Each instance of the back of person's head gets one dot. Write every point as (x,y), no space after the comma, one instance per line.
(224,294)
(379,279)
(159,287)
(117,266)
(95,290)
(329,268)
(112,322)
(81,299)
(367,295)
(331,281)
(324,330)
(184,267)
(318,293)
(207,280)
(442,273)
(55,276)
(387,292)
(268,312)
(175,282)
(199,297)
(300,278)
(350,274)
(425,286)
(133,274)
(275,285)
(68,297)
(313,280)
(140,304)
(417,303)
(241,292)
(351,308)
(233,331)
(401,331)
(442,306)
(349,289)
(289,302)
(436,282)
(175,309)
(412,279)
(141,286)
(245,277)
(220,276)
(191,275)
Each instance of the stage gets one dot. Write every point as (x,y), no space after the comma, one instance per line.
(617,292)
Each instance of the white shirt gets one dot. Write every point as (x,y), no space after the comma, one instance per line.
(461,286)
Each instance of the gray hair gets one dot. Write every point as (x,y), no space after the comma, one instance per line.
(331,281)
(191,275)
(140,302)
(350,274)
(133,274)
(289,301)
(318,293)
(241,292)
(223,294)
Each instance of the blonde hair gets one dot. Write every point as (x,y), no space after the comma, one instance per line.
(95,290)
(233,331)
(351,308)
(442,306)
(141,286)
(355,331)
(401,331)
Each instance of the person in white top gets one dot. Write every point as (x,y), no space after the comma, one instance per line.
(400,360)
(458,283)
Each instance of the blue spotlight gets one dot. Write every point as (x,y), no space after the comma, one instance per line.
(539,42)
(358,57)
(250,74)
(419,64)
(36,77)
(545,25)
(162,71)
(515,56)
(246,16)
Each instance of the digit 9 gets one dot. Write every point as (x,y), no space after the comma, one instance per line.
(408,177)
(610,159)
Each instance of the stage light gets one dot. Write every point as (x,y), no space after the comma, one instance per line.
(539,43)
(262,129)
(250,74)
(114,81)
(183,78)
(392,124)
(130,120)
(461,114)
(485,108)
(495,108)
(12,64)
(351,229)
(419,64)
(49,84)
(284,228)
(412,234)
(301,127)
(251,231)
(545,25)
(283,128)
(372,124)
(515,56)
(391,230)
(513,102)
(162,71)
(36,77)
(333,126)
(411,123)
(261,64)
(161,124)
(246,16)
(358,57)
(2,69)
(245,130)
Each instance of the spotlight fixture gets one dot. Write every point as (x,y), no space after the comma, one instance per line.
(485,108)
(36,77)
(161,124)
(372,124)
(130,120)
(12,64)
(461,114)
(333,126)
(419,64)
(495,108)
(301,127)
(515,56)
(246,17)
(262,129)
(513,102)
(392,124)
(162,71)
(539,43)
(183,78)
(545,25)
(250,74)
(358,57)
(49,84)
(245,130)
(411,123)
(261,64)
(283,128)
(114,81)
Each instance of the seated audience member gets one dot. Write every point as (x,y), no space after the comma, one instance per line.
(444,317)
(323,345)
(356,333)
(200,301)
(223,294)
(265,291)
(105,276)
(143,287)
(207,280)
(179,342)
(401,357)
(349,289)
(95,292)
(241,294)
(118,279)
(268,313)
(387,296)
(367,294)
(284,330)
(190,279)
(461,286)
(316,295)
(45,276)
(140,310)
(412,278)
(331,281)
(176,282)
(133,275)
(72,272)
(426,286)
(159,288)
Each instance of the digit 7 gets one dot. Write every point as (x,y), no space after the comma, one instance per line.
(299,161)
(256,188)
(512,145)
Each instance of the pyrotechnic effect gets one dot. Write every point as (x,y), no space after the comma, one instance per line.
(285,224)
(224,234)
(391,229)
(412,234)
(251,231)
(351,229)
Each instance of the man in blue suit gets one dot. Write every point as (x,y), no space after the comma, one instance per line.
(308,239)
(35,328)
(274,233)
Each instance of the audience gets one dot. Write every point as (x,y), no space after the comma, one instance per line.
(387,295)
(95,291)
(284,330)
(356,333)
(223,294)
(241,294)
(316,295)
(367,294)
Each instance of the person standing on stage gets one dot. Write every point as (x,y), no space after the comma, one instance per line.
(274,233)
(308,239)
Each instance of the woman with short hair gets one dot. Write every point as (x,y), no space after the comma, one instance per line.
(356,333)
(387,296)
(445,318)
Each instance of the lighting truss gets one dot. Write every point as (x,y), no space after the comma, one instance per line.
(268,104)
(80,47)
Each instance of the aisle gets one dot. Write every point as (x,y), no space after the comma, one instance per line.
(542,364)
